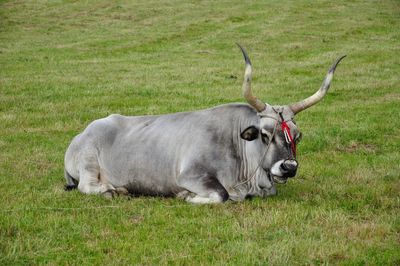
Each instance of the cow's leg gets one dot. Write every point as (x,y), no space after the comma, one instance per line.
(205,188)
(90,180)
(90,183)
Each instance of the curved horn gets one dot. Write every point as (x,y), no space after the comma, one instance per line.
(250,98)
(316,97)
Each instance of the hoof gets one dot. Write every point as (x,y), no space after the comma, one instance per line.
(109,194)
(122,191)
(185,194)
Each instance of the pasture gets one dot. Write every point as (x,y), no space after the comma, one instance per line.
(64,64)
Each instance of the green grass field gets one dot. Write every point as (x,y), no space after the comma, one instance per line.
(66,63)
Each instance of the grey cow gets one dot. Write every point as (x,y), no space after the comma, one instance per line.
(231,151)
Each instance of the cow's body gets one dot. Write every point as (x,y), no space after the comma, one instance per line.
(207,156)
(167,154)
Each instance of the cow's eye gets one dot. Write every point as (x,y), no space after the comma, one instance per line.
(264,138)
(266,135)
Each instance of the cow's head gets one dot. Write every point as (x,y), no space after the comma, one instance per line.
(274,139)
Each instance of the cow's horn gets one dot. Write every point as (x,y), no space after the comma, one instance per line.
(250,98)
(316,97)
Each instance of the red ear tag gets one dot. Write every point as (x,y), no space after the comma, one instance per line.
(288,137)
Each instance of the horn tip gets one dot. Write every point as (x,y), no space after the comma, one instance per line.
(246,57)
(333,67)
(340,58)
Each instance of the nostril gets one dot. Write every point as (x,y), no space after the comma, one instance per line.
(289,166)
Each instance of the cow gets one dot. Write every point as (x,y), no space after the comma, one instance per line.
(232,151)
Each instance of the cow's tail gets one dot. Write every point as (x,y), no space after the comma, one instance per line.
(71,182)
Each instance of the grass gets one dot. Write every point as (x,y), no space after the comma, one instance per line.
(66,63)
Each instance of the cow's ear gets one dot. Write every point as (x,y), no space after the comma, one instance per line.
(250,133)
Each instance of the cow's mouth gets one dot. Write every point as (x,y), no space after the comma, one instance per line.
(279,179)
(275,178)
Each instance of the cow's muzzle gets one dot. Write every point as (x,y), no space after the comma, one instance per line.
(284,169)
(289,168)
